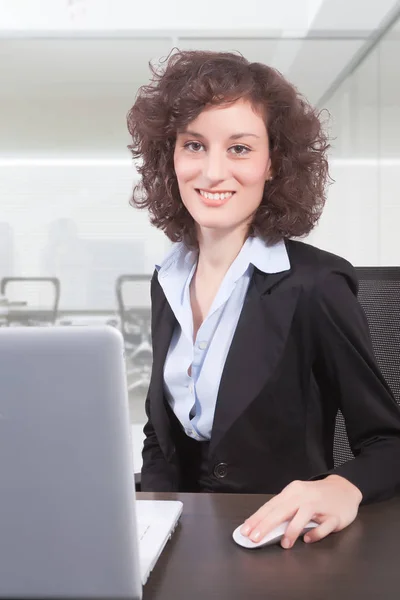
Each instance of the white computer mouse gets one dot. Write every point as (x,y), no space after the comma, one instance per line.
(273,537)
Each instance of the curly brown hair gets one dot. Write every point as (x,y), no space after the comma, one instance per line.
(177,93)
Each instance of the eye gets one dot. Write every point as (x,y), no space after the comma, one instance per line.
(240,150)
(193,146)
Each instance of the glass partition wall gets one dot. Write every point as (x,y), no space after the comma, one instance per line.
(66,174)
(362,215)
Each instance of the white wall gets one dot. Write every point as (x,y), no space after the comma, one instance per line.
(360,220)
(362,216)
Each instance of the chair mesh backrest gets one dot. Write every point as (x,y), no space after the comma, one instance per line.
(37,292)
(133,291)
(379,295)
(133,298)
(39,298)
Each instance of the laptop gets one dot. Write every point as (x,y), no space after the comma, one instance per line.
(70,526)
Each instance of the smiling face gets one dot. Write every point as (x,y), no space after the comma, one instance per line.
(221,162)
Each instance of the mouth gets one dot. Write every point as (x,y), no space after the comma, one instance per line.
(215,199)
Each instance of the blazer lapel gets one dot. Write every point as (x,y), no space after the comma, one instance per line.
(256,348)
(163,326)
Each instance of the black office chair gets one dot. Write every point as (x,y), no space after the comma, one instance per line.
(20,290)
(379,295)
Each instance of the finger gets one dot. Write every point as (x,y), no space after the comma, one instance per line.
(285,496)
(260,514)
(284,512)
(296,526)
(321,531)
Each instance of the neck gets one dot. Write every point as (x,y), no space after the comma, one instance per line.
(217,250)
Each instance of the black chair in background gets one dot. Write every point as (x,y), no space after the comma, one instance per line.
(20,290)
(379,295)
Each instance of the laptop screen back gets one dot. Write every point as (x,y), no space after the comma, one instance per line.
(67,518)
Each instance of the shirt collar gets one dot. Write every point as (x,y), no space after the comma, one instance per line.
(179,257)
(269,259)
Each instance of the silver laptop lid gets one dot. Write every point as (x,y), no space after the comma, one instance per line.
(67,518)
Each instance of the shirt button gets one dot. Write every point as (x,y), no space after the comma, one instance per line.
(191,388)
(203,345)
(221,470)
(189,432)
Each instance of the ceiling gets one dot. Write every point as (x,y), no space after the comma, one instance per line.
(67,94)
(180,16)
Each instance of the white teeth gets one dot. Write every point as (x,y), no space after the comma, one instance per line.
(209,196)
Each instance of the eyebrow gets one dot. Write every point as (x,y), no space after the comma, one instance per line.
(234,136)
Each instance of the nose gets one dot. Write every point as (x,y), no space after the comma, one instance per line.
(215,168)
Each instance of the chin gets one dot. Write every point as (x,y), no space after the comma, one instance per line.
(217,224)
(216,219)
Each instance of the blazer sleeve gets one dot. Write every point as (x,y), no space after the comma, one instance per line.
(347,373)
(155,475)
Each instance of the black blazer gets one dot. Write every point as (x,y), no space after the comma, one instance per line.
(301,351)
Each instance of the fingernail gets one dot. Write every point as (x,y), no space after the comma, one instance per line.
(245,530)
(256,536)
(307,539)
(286,543)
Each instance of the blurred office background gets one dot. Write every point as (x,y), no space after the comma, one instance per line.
(69,72)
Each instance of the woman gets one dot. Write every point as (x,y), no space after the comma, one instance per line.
(258,339)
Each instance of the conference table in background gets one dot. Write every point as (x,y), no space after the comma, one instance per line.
(201,561)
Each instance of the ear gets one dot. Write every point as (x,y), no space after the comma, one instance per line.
(269,174)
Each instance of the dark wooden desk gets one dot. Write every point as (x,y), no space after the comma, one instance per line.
(201,561)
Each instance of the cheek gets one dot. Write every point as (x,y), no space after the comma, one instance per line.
(252,175)
(185,169)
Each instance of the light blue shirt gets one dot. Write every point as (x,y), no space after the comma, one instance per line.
(193,397)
